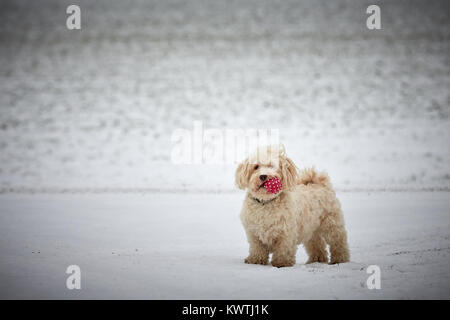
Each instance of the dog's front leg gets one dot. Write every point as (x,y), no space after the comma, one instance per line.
(284,251)
(259,252)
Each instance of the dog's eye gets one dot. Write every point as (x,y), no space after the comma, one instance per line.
(256,167)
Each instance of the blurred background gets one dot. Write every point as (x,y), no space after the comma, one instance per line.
(94,109)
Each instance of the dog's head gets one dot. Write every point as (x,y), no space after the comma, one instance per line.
(267,163)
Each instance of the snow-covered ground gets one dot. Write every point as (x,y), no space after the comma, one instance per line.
(192,246)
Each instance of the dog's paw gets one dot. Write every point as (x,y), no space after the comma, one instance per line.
(256,260)
(282,263)
(340,258)
(320,259)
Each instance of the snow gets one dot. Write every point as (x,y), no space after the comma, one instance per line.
(86,120)
(192,246)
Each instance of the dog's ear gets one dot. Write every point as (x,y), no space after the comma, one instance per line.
(289,172)
(242,174)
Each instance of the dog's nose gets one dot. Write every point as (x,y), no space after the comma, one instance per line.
(263,177)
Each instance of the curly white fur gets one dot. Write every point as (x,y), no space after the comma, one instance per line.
(306,211)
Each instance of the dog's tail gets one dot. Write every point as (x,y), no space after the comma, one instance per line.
(311,176)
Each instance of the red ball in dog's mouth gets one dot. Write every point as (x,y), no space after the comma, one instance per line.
(273,185)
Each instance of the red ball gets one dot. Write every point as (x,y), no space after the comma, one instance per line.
(273,185)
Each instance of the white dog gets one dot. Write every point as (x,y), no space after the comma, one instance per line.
(305,210)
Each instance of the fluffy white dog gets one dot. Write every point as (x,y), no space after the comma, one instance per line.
(305,210)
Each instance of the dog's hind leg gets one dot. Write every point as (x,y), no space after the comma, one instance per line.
(334,233)
(316,248)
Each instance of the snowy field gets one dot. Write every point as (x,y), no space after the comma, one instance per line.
(96,108)
(86,120)
(147,247)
